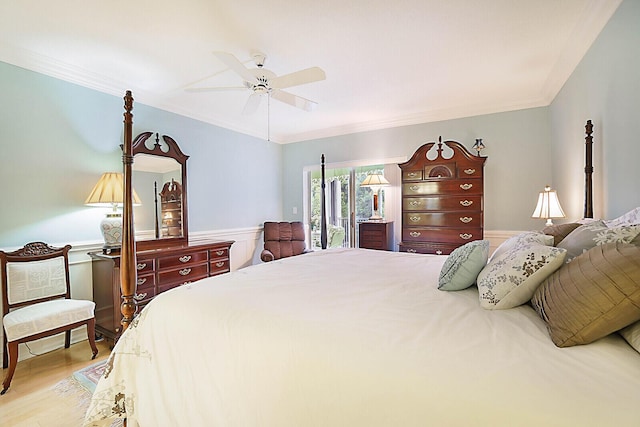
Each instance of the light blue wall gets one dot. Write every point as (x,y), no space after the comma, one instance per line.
(57,139)
(605,87)
(517,168)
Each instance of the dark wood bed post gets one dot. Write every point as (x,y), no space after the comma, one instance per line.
(323,209)
(588,171)
(128,252)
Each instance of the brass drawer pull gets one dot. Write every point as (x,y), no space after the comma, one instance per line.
(412,174)
(414,188)
(141,266)
(185,258)
(415,234)
(466,236)
(141,281)
(466,186)
(414,203)
(412,251)
(219,253)
(140,297)
(185,272)
(469,171)
(438,252)
(466,203)
(414,218)
(188,282)
(466,219)
(219,264)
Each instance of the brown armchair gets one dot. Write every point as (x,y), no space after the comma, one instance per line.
(282,239)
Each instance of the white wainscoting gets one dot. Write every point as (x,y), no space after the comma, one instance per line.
(244,252)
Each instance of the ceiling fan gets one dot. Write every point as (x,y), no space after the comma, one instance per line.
(261,81)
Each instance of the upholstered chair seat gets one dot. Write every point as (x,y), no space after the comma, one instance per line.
(283,239)
(44,316)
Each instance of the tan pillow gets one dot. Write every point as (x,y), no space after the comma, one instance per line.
(559,231)
(594,295)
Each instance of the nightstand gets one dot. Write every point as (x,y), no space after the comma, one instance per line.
(376,235)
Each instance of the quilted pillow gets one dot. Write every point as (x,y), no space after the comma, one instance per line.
(631,334)
(511,279)
(596,233)
(461,268)
(596,294)
(522,239)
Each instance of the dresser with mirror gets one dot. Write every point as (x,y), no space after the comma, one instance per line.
(165,257)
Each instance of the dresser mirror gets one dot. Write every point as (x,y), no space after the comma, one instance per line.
(160,181)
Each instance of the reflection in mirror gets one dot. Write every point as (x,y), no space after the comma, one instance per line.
(151,174)
(159,178)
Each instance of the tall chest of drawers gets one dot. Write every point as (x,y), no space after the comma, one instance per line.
(158,270)
(442,198)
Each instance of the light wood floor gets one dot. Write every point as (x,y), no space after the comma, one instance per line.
(31,401)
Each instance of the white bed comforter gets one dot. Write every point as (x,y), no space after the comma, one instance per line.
(350,337)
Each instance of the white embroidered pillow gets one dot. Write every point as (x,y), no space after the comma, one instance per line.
(522,239)
(594,234)
(511,279)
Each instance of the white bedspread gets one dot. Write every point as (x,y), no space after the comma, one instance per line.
(349,337)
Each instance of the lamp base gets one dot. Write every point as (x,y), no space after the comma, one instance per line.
(111,228)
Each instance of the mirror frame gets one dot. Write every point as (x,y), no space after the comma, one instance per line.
(173,152)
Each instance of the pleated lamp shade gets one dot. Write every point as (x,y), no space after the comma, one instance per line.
(548,206)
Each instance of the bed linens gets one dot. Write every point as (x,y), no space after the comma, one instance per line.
(349,337)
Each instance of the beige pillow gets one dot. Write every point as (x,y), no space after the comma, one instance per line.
(559,231)
(594,295)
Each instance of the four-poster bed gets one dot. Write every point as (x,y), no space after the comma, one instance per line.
(351,337)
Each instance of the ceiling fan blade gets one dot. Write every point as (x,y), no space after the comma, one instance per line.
(237,66)
(252,104)
(214,89)
(294,100)
(308,75)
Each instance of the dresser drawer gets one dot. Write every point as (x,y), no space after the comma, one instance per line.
(428,248)
(443,219)
(184,259)
(145,265)
(171,278)
(459,236)
(412,175)
(442,203)
(444,186)
(219,254)
(218,267)
(144,281)
(144,295)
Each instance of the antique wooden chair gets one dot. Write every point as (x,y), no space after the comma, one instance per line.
(36,301)
(282,239)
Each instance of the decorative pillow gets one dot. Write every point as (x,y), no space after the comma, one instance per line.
(559,231)
(629,218)
(511,279)
(632,335)
(461,268)
(596,294)
(596,233)
(522,239)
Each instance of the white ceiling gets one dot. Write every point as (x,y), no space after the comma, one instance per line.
(388,62)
